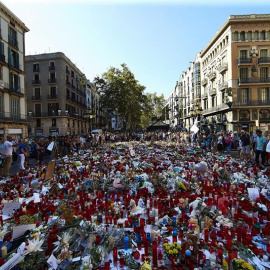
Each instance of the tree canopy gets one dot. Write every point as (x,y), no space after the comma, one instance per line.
(123,95)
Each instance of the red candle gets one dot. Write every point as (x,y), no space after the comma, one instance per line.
(115,255)
(154,252)
(206,235)
(146,251)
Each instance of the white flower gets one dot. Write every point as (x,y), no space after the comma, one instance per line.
(34,245)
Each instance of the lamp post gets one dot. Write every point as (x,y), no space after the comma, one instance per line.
(30,114)
(89,115)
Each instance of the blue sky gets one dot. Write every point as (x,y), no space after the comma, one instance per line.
(156,39)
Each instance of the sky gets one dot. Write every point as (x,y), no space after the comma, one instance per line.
(156,39)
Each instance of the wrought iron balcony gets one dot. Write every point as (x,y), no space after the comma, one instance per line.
(213,92)
(67,83)
(244,61)
(17,90)
(37,97)
(2,58)
(263,60)
(251,103)
(212,75)
(15,65)
(52,80)
(13,42)
(254,80)
(51,67)
(35,81)
(52,96)
(217,108)
(67,71)
(7,116)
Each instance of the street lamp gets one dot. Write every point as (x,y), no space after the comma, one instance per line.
(89,115)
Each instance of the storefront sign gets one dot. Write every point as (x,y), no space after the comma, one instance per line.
(15,131)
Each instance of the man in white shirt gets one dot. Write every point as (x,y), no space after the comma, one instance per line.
(8,144)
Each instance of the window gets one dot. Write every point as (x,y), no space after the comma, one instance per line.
(243,95)
(242,36)
(52,75)
(263,94)
(37,92)
(12,39)
(53,108)
(53,122)
(264,72)
(243,73)
(36,77)
(13,58)
(263,35)
(2,50)
(213,101)
(53,91)
(14,82)
(51,64)
(243,54)
(38,122)
(35,67)
(68,93)
(37,109)
(1,105)
(263,53)
(14,107)
(72,73)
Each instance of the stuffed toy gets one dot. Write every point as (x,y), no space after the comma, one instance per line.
(194,227)
(201,167)
(208,223)
(194,205)
(191,247)
(86,263)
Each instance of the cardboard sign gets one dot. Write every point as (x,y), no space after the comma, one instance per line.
(10,207)
(50,170)
(20,230)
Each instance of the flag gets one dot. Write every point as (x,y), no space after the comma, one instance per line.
(83,81)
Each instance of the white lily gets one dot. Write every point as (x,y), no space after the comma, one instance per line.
(34,245)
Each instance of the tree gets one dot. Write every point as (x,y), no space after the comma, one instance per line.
(122,94)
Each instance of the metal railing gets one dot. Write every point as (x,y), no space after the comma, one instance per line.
(51,67)
(223,67)
(13,42)
(216,108)
(251,103)
(52,96)
(35,81)
(6,116)
(52,80)
(2,58)
(263,60)
(38,97)
(213,92)
(244,61)
(254,80)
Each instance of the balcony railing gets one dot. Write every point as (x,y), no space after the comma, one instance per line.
(251,103)
(254,80)
(35,81)
(15,66)
(244,61)
(212,75)
(73,86)
(205,96)
(263,60)
(223,67)
(67,71)
(36,69)
(13,42)
(17,90)
(36,97)
(68,83)
(52,96)
(213,92)
(53,80)
(223,86)
(51,67)
(216,108)
(7,116)
(204,81)
(2,58)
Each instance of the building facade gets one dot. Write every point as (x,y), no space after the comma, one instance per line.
(13,115)
(230,78)
(56,95)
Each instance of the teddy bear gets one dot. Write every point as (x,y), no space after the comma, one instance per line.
(194,227)
(190,244)
(86,263)
(194,205)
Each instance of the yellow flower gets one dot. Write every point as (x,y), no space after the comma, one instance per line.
(175,251)
(170,252)
(35,235)
(179,247)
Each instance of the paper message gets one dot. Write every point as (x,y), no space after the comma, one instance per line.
(19,231)
(10,207)
(253,193)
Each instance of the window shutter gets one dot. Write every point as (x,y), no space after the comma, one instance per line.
(19,84)
(248,94)
(17,60)
(11,80)
(259,94)
(2,48)
(9,56)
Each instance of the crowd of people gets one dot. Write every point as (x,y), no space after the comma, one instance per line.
(251,146)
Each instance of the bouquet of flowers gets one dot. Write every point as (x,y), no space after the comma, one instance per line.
(172,250)
(239,264)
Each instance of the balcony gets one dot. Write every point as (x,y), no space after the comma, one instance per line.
(204,81)
(16,90)
(13,42)
(35,81)
(205,96)
(51,67)
(223,67)
(15,66)
(263,60)
(212,76)
(217,108)
(68,83)
(251,103)
(52,96)
(7,116)
(213,92)
(67,71)
(37,97)
(262,80)
(52,80)
(244,61)
(223,86)
(73,86)
(2,58)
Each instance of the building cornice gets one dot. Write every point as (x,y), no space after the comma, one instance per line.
(236,19)
(13,17)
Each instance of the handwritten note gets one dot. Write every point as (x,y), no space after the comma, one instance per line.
(10,207)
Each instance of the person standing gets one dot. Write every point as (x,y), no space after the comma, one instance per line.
(245,142)
(8,145)
(260,147)
(22,154)
(2,156)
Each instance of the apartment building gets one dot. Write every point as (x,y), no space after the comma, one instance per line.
(13,116)
(56,95)
(230,77)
